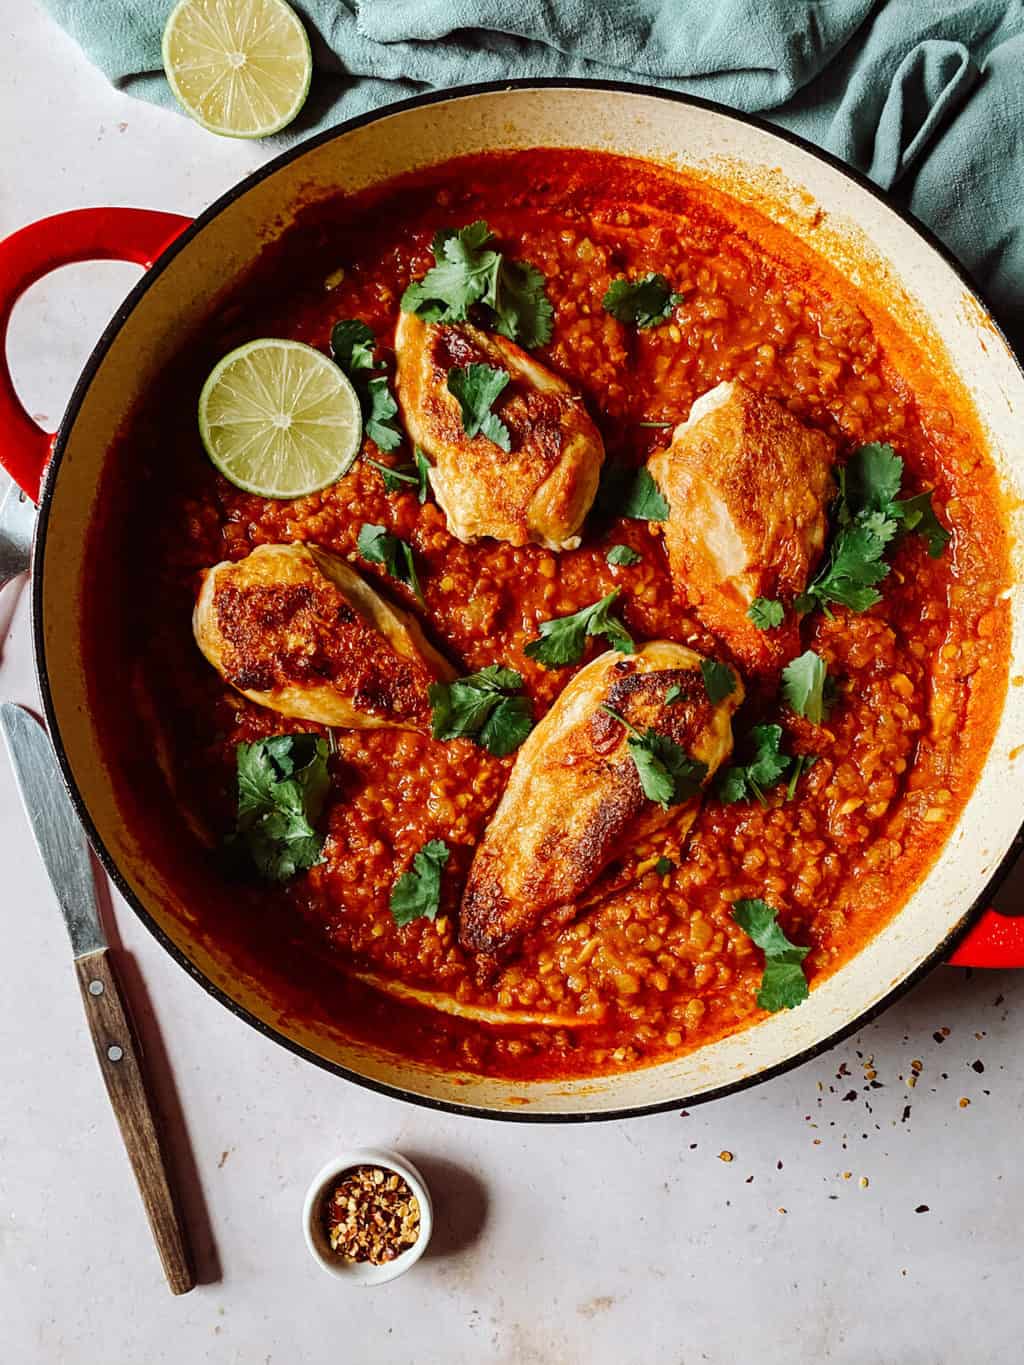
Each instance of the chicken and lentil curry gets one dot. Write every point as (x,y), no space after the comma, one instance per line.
(631,676)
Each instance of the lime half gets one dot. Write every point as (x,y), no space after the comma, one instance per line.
(279,419)
(240,67)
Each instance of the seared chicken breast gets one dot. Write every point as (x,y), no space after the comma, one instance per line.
(542,488)
(748,487)
(574,806)
(294,628)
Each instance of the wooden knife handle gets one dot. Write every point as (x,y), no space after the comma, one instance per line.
(119,1058)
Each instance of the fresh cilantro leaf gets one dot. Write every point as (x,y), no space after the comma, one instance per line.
(783,986)
(379,416)
(645,501)
(463,274)
(623,554)
(422,473)
(768,764)
(668,775)
(855,565)
(562,640)
(507,726)
(477,387)
(731,785)
(719,680)
(496,678)
(626,492)
(417,893)
(673,694)
(524,311)
(468,272)
(377,545)
(664,866)
(765,766)
(282,787)
(918,514)
(867,517)
(480,707)
(804,686)
(783,983)
(641,303)
(766,613)
(871,479)
(352,345)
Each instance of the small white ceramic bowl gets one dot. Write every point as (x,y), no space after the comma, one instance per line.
(362,1272)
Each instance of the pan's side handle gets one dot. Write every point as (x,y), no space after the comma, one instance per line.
(138,235)
(995,941)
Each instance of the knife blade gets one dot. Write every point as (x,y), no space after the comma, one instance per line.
(58,835)
(65,853)
(17,525)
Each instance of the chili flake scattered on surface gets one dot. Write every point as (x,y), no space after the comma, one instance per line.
(371,1215)
(964,1102)
(725,1156)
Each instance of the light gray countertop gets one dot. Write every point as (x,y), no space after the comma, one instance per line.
(861,1219)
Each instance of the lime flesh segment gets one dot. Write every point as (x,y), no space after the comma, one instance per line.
(241,68)
(279,419)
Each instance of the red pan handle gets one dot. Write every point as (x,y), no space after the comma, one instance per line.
(995,941)
(138,235)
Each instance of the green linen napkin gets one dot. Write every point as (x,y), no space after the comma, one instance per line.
(925,96)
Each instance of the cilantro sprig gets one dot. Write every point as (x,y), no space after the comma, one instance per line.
(417,893)
(764,767)
(641,303)
(783,982)
(868,515)
(563,639)
(282,788)
(352,346)
(482,707)
(398,478)
(377,545)
(668,775)
(468,273)
(477,388)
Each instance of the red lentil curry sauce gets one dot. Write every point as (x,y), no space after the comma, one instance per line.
(660,967)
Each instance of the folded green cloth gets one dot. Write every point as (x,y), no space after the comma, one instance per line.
(925,96)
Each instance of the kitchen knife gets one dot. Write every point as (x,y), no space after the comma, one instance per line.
(65,854)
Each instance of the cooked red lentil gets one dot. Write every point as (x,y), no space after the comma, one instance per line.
(659,967)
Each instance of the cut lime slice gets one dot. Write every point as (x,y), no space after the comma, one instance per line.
(241,68)
(279,419)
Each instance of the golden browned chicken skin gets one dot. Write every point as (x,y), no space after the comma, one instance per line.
(573,811)
(296,629)
(748,487)
(541,490)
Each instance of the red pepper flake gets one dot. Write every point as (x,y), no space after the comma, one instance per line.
(371,1215)
(922,1208)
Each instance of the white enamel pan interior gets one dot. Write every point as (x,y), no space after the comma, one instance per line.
(816,200)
